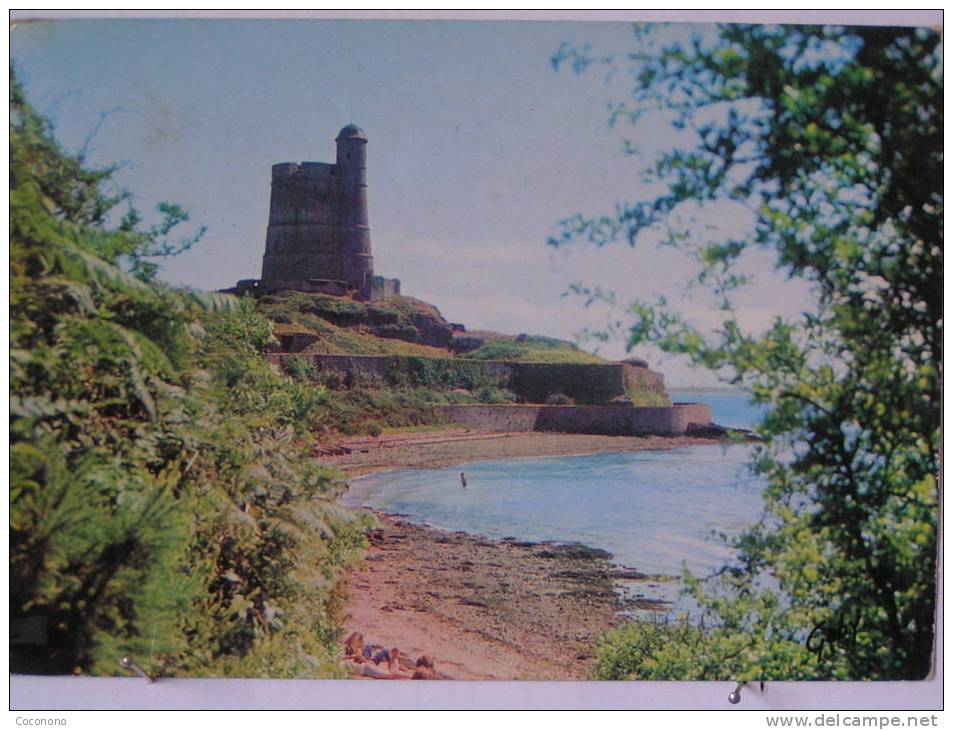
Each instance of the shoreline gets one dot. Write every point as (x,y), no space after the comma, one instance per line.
(486,608)
(438,449)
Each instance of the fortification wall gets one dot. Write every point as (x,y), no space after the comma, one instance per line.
(586,384)
(619,419)
(509,418)
(380,287)
(615,420)
(689,414)
(638,380)
(603,420)
(364,366)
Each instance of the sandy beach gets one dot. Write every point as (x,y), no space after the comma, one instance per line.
(436,449)
(485,609)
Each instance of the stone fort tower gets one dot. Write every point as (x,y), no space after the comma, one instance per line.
(318,234)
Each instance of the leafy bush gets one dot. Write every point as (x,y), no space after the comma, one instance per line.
(488,394)
(831,140)
(381,316)
(645,398)
(531,348)
(406,332)
(361,409)
(299,368)
(437,373)
(162,499)
(661,649)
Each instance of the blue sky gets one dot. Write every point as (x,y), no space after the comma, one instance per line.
(477,149)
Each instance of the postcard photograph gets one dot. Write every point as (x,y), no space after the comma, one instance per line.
(472,350)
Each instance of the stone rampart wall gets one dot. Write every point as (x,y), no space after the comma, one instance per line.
(689,414)
(381,287)
(362,365)
(584,383)
(641,379)
(513,418)
(604,420)
(614,420)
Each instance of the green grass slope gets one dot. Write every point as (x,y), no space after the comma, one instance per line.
(402,325)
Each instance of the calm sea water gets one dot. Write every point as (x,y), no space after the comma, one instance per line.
(727,408)
(653,510)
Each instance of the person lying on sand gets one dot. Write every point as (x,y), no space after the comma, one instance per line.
(374,653)
(356,650)
(423,670)
(375,672)
(379,663)
(390,659)
(386,665)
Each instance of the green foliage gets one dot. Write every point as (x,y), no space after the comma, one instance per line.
(583,383)
(645,398)
(497,350)
(299,368)
(833,138)
(440,374)
(494,396)
(404,397)
(400,326)
(364,410)
(645,388)
(532,348)
(406,332)
(395,326)
(162,499)
(677,649)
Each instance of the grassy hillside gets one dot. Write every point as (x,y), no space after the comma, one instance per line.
(442,360)
(336,340)
(395,326)
(402,326)
(530,348)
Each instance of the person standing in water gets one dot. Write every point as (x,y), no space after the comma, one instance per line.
(463,480)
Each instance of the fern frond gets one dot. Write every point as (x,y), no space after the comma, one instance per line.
(99,272)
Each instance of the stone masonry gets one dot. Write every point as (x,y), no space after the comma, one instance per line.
(319,238)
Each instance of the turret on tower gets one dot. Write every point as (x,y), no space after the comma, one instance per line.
(318,235)
(352,155)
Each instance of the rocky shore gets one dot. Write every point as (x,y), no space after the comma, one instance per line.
(486,609)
